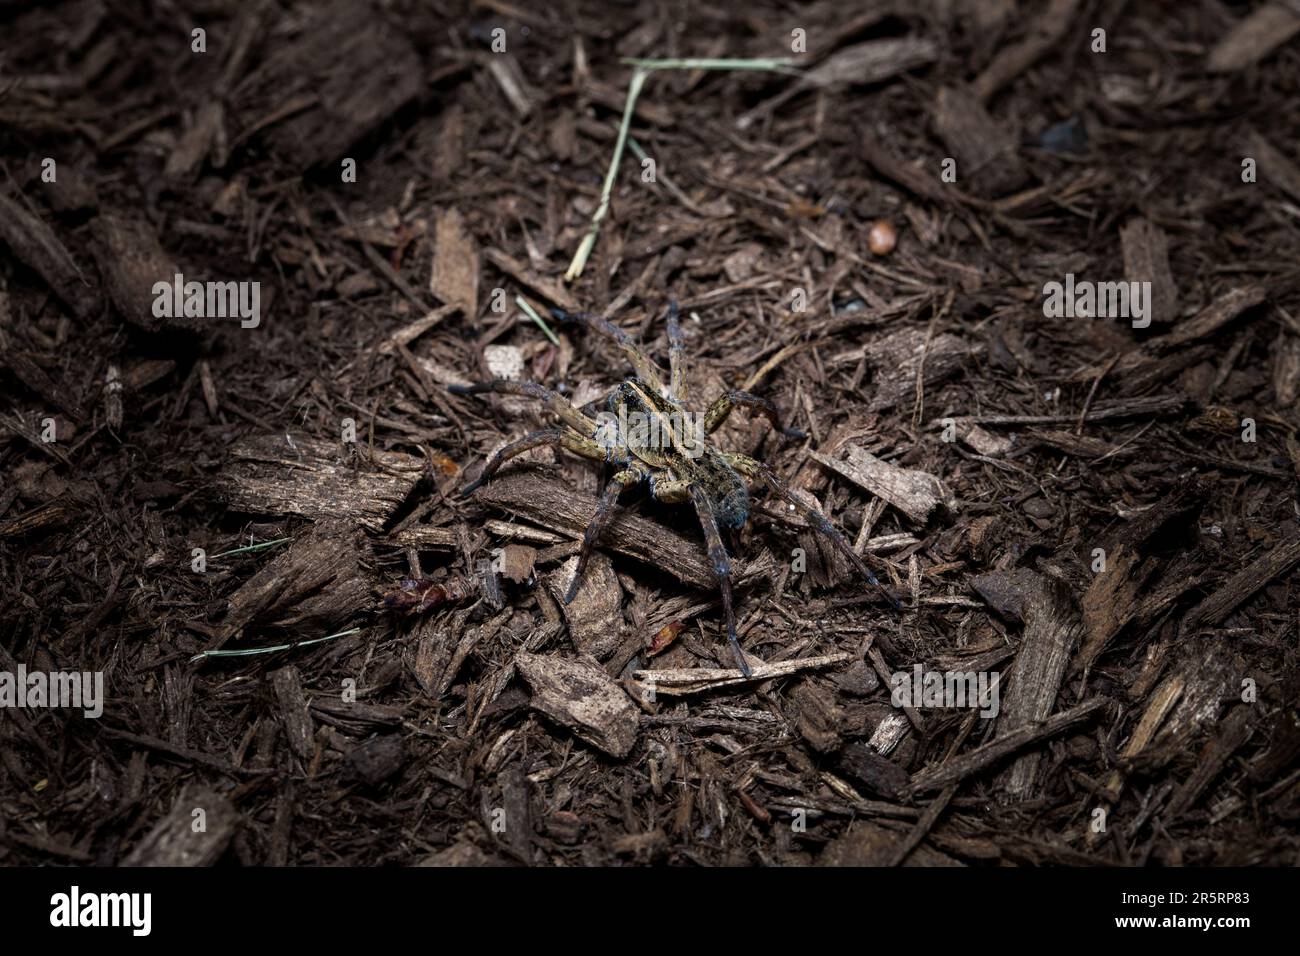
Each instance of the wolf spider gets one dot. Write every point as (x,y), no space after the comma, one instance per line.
(677,467)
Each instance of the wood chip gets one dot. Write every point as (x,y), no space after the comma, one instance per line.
(816,717)
(504,361)
(1232,733)
(898,357)
(1244,583)
(871,772)
(1009,592)
(515,562)
(595,617)
(696,680)
(1042,35)
(193,145)
(1274,166)
(579,695)
(1213,317)
(131,261)
(1286,369)
(377,759)
(909,175)
(988,156)
(423,536)
(548,289)
(915,493)
(1052,631)
(1253,38)
(280,474)
(295,717)
(972,762)
(1133,558)
(319,583)
(1159,705)
(871,61)
(35,243)
(35,378)
(176,841)
(412,331)
(455,271)
(866,843)
(986,443)
(345,70)
(1146,259)
(505,70)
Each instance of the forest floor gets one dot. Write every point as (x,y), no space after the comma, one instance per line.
(1095,509)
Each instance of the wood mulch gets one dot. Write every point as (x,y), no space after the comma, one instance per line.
(1102,516)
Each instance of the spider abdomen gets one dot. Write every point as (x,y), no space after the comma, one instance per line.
(726,488)
(733,508)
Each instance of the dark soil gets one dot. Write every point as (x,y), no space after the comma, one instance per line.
(1104,515)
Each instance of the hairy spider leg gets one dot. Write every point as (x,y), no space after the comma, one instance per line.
(751,468)
(673,491)
(546,436)
(554,401)
(639,361)
(676,355)
(717,412)
(721,569)
(629,476)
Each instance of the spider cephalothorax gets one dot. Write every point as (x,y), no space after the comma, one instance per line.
(650,436)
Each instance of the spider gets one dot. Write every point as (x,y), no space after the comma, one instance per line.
(646,434)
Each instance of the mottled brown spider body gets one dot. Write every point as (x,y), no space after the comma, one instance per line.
(669,444)
(650,436)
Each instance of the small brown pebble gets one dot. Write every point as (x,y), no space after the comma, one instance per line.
(882,238)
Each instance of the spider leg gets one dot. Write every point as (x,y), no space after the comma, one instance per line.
(717,412)
(554,401)
(546,436)
(748,467)
(818,521)
(672,492)
(721,568)
(676,355)
(639,361)
(623,479)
